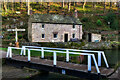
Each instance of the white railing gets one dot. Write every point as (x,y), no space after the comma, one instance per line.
(9,51)
(99,53)
(90,56)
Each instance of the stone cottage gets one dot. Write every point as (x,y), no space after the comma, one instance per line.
(53,28)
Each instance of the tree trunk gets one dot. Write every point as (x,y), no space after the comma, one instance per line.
(84,4)
(94,4)
(20,5)
(12,5)
(28,7)
(118,6)
(104,7)
(41,2)
(48,7)
(74,4)
(110,5)
(69,5)
(5,5)
(63,4)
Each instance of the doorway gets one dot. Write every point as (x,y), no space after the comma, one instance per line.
(65,37)
(89,37)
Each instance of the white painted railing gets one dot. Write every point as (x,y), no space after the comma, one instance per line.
(9,51)
(99,53)
(90,56)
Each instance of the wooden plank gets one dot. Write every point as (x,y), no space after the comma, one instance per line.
(72,66)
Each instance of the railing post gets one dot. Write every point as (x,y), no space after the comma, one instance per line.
(42,55)
(67,55)
(99,59)
(98,71)
(89,63)
(55,58)
(10,52)
(29,58)
(24,51)
(105,60)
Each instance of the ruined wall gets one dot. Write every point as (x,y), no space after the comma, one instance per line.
(35,32)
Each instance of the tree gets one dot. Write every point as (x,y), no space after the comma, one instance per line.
(5,5)
(84,4)
(118,6)
(28,5)
(63,4)
(104,6)
(69,5)
(48,7)
(12,5)
(110,4)
(94,4)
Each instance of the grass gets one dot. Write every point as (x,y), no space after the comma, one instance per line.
(38,53)
(4,49)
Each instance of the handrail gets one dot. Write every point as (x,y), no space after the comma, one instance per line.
(9,53)
(100,53)
(55,58)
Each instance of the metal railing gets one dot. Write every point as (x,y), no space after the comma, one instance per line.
(100,54)
(42,49)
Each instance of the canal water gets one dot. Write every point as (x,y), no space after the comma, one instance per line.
(112,57)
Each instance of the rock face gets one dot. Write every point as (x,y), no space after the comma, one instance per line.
(44,28)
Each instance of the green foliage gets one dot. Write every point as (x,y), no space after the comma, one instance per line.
(115,24)
(111,17)
(99,23)
(20,36)
(8,37)
(11,34)
(85,19)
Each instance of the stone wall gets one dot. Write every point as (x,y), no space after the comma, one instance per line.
(35,32)
(96,37)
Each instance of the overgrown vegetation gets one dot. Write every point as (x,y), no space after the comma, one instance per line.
(93,19)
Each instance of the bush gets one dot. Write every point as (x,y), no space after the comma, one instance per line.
(109,17)
(20,36)
(99,23)
(8,37)
(115,24)
(85,19)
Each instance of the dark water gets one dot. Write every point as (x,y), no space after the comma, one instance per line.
(113,57)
